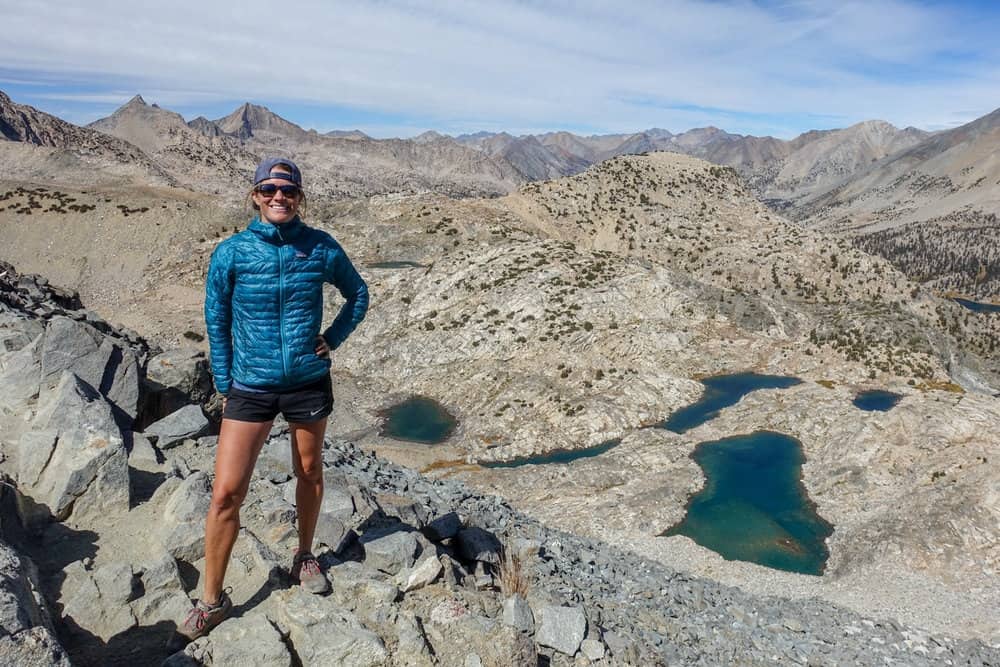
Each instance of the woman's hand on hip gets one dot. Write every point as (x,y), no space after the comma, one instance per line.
(322,349)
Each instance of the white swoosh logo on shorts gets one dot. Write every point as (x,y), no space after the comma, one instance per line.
(315,412)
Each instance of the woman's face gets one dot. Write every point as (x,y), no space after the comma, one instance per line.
(277,208)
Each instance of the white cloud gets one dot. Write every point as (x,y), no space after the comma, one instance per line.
(525,64)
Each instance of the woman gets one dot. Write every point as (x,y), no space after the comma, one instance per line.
(263,311)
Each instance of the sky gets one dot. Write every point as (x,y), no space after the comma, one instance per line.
(400,67)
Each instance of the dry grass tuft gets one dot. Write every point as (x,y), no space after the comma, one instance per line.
(510,573)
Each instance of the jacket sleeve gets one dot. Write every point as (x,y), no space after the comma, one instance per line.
(342,274)
(219,316)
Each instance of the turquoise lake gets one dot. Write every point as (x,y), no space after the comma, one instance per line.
(978,307)
(876,400)
(721,391)
(754,507)
(557,456)
(418,419)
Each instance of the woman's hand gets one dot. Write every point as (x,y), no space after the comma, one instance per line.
(322,349)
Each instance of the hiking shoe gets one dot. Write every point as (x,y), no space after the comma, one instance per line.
(202,618)
(306,570)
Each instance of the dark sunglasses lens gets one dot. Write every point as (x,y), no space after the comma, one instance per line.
(269,189)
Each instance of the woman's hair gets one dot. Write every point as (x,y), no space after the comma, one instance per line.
(252,205)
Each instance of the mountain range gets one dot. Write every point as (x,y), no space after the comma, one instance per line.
(901,193)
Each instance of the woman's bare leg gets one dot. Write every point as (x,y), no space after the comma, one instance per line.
(235,457)
(307,461)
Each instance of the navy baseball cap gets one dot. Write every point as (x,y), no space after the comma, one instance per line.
(268,164)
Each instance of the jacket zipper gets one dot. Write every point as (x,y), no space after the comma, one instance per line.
(281,314)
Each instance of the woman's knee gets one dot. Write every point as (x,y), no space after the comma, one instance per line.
(310,471)
(226,501)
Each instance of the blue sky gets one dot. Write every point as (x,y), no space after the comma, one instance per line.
(399,67)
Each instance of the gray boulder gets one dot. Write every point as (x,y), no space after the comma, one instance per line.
(517,614)
(183,529)
(561,628)
(34,647)
(338,500)
(423,574)
(458,636)
(98,601)
(443,527)
(183,369)
(16,332)
(20,377)
(323,634)
(176,378)
(480,545)
(26,635)
(333,532)
(411,645)
(106,365)
(163,597)
(361,587)
(143,455)
(74,456)
(249,640)
(172,430)
(593,649)
(622,648)
(391,552)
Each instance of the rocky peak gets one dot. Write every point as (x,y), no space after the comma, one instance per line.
(205,126)
(250,120)
(428,136)
(701,135)
(658,133)
(138,110)
(20,122)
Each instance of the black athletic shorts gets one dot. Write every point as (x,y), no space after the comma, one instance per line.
(309,403)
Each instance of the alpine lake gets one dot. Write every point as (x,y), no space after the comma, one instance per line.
(557,456)
(418,419)
(876,400)
(753,505)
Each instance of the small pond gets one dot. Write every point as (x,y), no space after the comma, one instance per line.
(557,456)
(721,391)
(418,419)
(396,265)
(978,306)
(876,400)
(754,506)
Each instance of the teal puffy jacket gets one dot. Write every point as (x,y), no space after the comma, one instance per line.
(264,305)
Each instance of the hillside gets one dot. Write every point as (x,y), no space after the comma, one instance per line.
(37,146)
(930,209)
(543,327)
(197,161)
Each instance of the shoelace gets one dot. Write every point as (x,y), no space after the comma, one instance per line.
(199,616)
(309,566)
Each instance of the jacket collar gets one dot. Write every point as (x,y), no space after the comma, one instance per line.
(277,234)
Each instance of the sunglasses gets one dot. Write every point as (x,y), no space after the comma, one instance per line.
(270,189)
